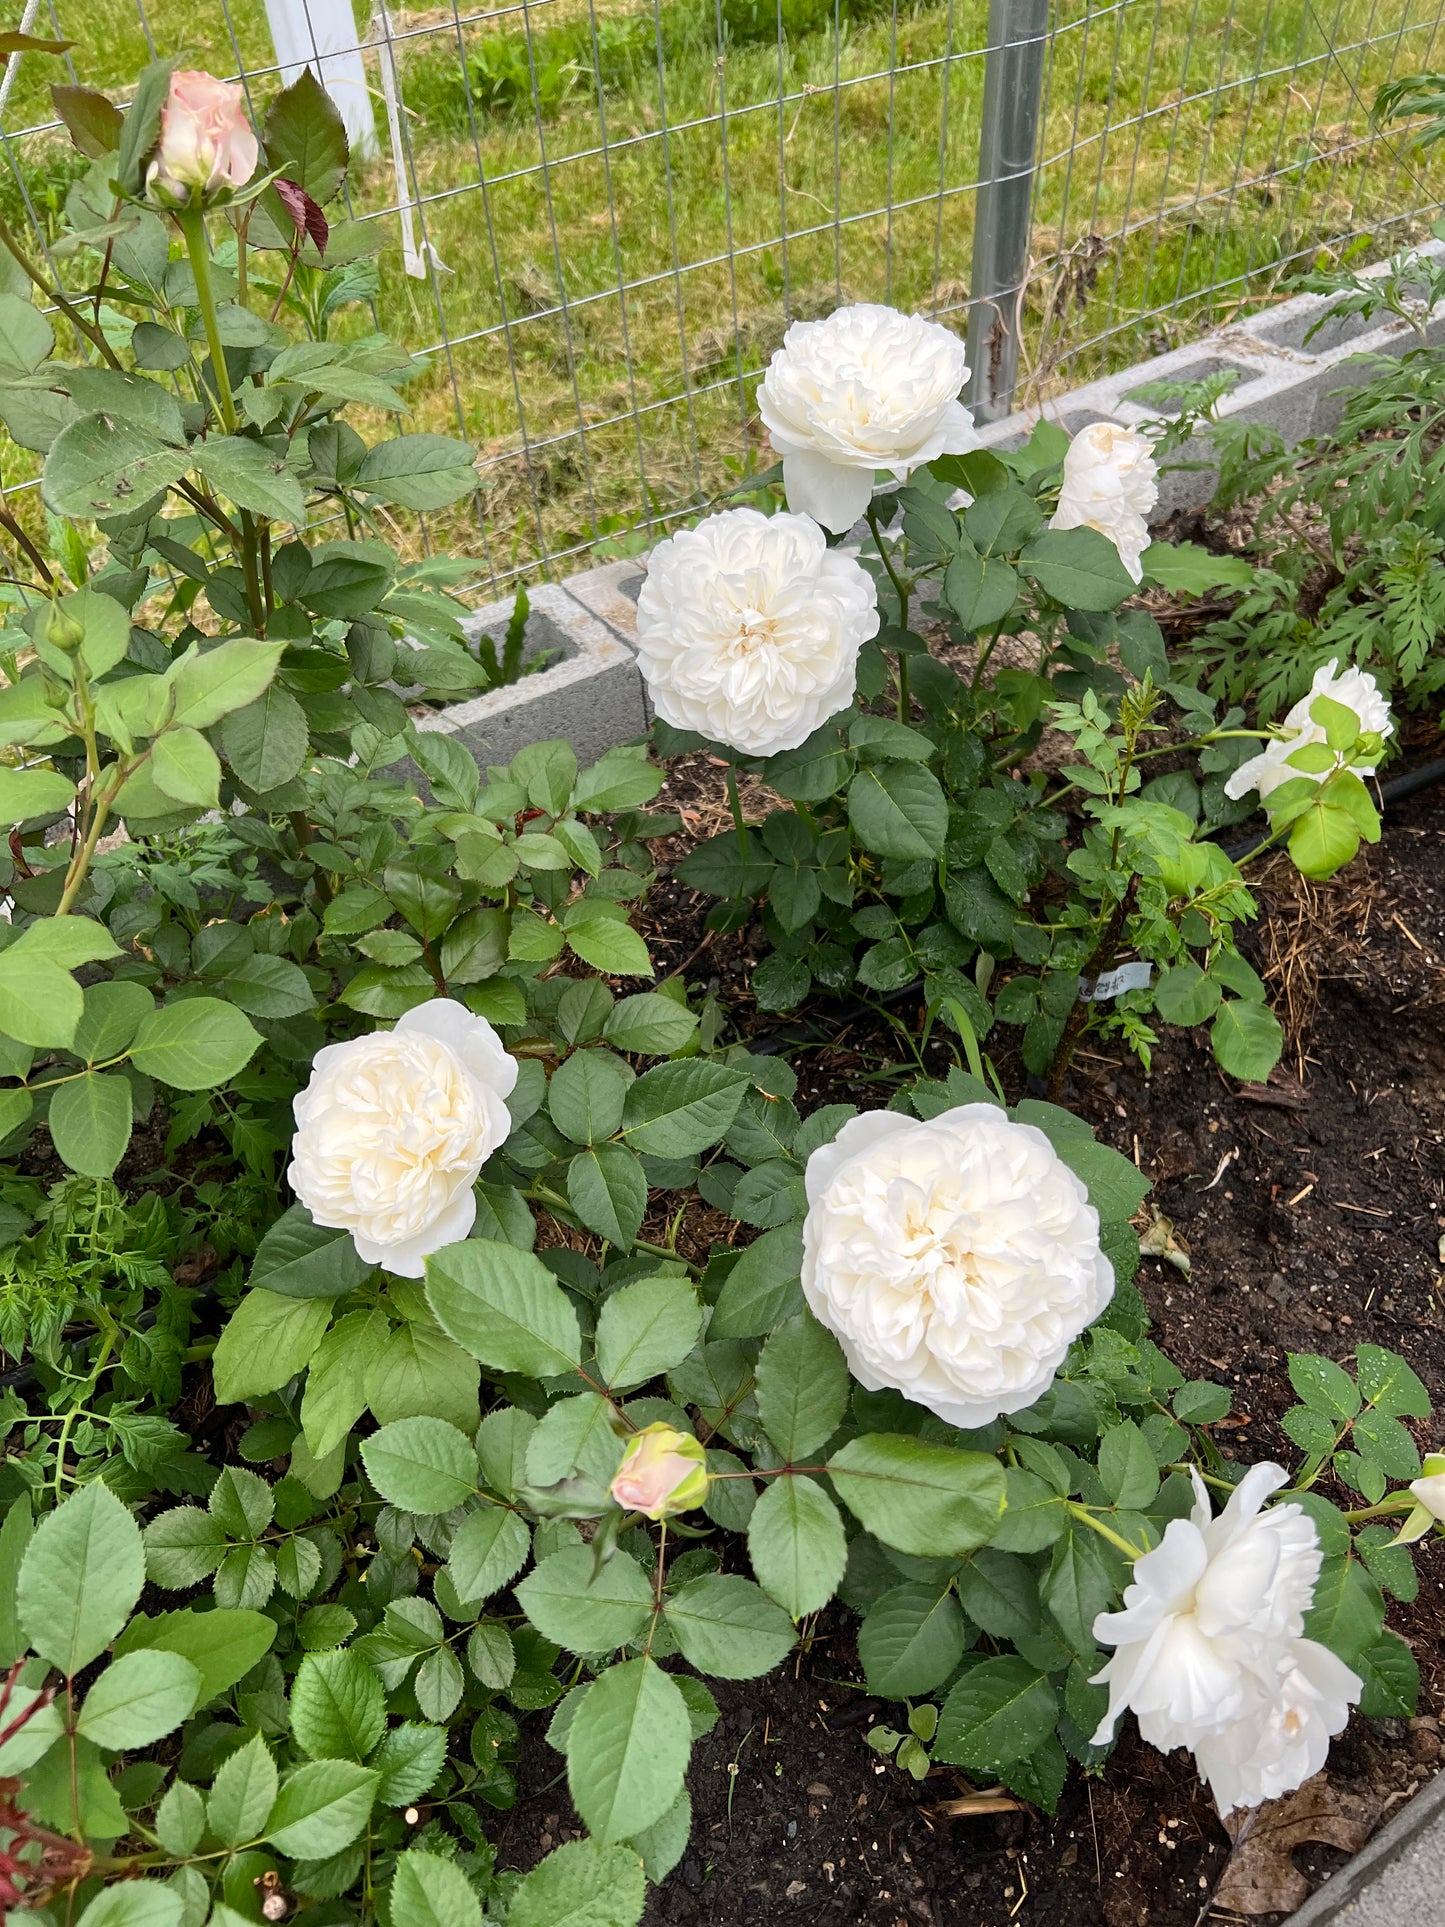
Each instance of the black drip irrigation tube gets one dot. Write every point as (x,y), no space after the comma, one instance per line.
(774,1043)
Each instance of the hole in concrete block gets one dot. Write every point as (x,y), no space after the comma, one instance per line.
(544,635)
(1193,371)
(1289,331)
(1078,419)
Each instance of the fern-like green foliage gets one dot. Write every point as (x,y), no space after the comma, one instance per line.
(1350,534)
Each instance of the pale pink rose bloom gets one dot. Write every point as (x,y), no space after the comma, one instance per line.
(206,140)
(663,1472)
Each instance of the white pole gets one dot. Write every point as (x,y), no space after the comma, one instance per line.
(321,34)
(413,258)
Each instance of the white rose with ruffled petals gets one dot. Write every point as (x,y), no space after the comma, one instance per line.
(393,1129)
(1209,1649)
(954,1259)
(1356,689)
(867,388)
(1110,484)
(749,627)
(1286,1739)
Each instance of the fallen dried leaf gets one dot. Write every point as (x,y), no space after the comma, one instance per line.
(1261,1878)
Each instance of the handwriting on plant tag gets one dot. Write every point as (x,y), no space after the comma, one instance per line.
(1113,983)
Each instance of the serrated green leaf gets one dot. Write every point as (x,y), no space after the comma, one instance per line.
(797,1544)
(921,1498)
(628,1749)
(802,1387)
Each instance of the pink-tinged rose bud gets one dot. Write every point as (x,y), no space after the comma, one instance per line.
(207,149)
(662,1472)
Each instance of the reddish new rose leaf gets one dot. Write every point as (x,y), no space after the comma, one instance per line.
(304,212)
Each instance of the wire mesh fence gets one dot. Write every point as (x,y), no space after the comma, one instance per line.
(609,210)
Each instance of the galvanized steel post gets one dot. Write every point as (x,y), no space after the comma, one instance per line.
(1012,88)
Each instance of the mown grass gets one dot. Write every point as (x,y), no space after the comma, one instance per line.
(620,262)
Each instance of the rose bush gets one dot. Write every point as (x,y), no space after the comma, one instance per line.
(924,843)
(523,1430)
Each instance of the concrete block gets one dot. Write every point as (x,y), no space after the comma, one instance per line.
(590,692)
(1296,388)
(610,594)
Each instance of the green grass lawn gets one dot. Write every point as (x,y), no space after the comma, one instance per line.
(619,265)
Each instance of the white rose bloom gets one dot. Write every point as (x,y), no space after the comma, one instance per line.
(1110,484)
(1285,1740)
(868,388)
(955,1260)
(1355,688)
(1209,1649)
(393,1128)
(749,627)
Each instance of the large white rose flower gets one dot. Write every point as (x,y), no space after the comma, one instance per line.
(1356,689)
(1110,484)
(393,1128)
(868,388)
(1209,1649)
(955,1260)
(749,627)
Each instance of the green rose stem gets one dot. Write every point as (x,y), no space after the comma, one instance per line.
(902,593)
(1396,1503)
(192,224)
(1117,1539)
(555,1203)
(735,804)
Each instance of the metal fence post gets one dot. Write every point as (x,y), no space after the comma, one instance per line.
(1012,87)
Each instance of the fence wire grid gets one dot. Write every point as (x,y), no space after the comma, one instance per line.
(609,210)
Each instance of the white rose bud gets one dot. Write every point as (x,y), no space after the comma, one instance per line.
(1429,1491)
(1355,689)
(393,1129)
(955,1260)
(1209,1649)
(1110,484)
(749,627)
(868,388)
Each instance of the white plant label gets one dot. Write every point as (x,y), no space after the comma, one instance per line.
(1113,983)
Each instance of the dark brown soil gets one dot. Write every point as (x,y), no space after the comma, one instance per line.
(1314,1215)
